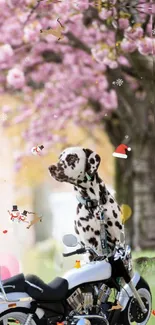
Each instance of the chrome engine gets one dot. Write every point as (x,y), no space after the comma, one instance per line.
(80,301)
(76,300)
(84,301)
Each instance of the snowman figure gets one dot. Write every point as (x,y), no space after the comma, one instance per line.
(23,216)
(14,214)
(36,150)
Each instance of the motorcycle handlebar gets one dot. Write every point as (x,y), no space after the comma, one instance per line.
(78,251)
(83,250)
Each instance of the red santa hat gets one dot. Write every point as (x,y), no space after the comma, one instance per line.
(121,151)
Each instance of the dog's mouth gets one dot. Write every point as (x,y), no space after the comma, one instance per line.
(57,173)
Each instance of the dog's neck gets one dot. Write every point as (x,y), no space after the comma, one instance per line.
(91,189)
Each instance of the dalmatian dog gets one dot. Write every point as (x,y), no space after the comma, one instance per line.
(79,166)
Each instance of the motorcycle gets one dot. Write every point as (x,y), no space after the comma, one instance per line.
(82,296)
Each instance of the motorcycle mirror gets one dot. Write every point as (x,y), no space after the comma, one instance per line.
(69,240)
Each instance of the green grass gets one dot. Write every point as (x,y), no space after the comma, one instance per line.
(148,273)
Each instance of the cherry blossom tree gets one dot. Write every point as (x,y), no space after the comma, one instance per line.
(100,72)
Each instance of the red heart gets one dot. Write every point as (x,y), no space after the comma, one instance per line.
(5,231)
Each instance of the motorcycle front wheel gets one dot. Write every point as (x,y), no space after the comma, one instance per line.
(132,314)
(16,317)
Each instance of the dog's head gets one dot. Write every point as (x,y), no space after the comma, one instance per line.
(75,164)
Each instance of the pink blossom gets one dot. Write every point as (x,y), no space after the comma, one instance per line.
(31,32)
(109,100)
(6,52)
(123,61)
(133,33)
(110,63)
(128,46)
(99,55)
(104,14)
(123,23)
(14,3)
(31,2)
(80,4)
(66,74)
(145,46)
(15,78)
(148,8)
(12,33)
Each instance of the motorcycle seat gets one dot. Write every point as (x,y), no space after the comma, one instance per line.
(14,284)
(53,291)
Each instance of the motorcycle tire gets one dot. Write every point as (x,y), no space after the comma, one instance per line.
(132,313)
(15,316)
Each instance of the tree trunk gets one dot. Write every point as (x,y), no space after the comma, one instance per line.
(144,194)
(124,190)
(135,184)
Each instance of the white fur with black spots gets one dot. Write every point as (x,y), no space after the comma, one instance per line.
(78,166)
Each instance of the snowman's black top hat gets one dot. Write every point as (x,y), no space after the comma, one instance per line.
(41,147)
(24,213)
(15,208)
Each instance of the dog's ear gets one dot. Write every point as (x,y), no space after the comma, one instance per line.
(92,163)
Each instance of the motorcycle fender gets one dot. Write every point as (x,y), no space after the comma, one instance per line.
(125,294)
(24,300)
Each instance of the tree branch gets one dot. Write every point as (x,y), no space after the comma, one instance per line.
(76,43)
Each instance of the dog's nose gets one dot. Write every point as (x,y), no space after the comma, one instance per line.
(52,169)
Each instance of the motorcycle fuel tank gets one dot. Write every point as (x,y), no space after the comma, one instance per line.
(90,272)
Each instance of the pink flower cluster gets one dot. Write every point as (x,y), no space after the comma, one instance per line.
(15,78)
(68,80)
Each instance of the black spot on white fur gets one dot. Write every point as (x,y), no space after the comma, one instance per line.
(97,232)
(109,239)
(111,200)
(84,218)
(117,224)
(78,208)
(91,190)
(97,157)
(79,223)
(92,160)
(72,159)
(76,229)
(93,241)
(114,214)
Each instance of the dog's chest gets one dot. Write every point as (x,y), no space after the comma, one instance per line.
(88,224)
(85,218)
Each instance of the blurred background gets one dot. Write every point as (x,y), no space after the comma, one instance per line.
(95,88)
